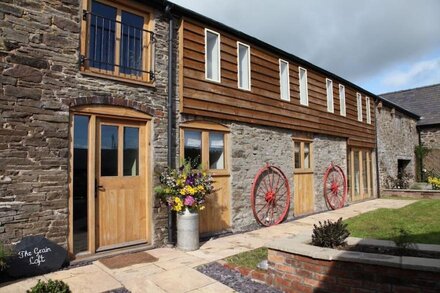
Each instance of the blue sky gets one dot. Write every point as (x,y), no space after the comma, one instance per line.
(379,45)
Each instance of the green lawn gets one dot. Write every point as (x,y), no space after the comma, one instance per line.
(421,221)
(249,259)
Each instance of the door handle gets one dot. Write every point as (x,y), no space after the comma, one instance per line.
(98,188)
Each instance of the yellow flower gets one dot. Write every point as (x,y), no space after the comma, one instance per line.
(202,208)
(188,190)
(178,204)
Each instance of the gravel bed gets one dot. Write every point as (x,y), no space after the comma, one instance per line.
(234,279)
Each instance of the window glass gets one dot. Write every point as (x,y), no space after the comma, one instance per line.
(367,105)
(109,150)
(243,67)
(212,56)
(357,179)
(216,150)
(131,151)
(297,155)
(131,43)
(303,91)
(342,99)
(359,106)
(102,36)
(80,180)
(329,86)
(306,155)
(193,147)
(364,172)
(284,80)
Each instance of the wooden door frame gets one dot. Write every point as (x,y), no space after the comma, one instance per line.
(105,112)
(303,171)
(206,127)
(368,168)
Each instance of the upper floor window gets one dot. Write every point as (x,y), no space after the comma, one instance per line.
(303,89)
(342,109)
(329,87)
(367,105)
(244,66)
(284,80)
(359,106)
(212,55)
(117,42)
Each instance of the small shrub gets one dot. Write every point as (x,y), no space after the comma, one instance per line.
(5,252)
(400,182)
(330,234)
(50,287)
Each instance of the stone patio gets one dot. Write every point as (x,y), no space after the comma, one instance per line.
(175,270)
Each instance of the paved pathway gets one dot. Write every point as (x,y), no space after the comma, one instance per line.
(174,271)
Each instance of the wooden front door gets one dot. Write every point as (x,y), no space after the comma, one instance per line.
(303,178)
(206,144)
(121,210)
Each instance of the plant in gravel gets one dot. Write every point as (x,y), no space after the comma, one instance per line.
(330,234)
(50,287)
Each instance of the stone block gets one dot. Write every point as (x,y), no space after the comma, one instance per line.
(25,73)
(21,92)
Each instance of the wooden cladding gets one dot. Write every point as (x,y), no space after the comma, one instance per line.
(263,104)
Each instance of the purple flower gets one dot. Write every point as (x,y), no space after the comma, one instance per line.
(190,180)
(189,201)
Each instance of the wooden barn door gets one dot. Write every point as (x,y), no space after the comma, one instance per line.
(206,143)
(360,166)
(121,217)
(303,178)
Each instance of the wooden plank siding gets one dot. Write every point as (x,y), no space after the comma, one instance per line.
(262,104)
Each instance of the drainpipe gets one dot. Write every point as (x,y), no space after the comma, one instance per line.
(170,110)
(377,153)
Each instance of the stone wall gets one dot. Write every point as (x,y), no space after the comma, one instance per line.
(39,81)
(430,137)
(326,149)
(396,138)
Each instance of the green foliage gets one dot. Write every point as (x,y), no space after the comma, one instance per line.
(5,252)
(330,234)
(50,287)
(249,259)
(419,220)
(421,152)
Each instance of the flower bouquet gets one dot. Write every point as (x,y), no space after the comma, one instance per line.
(184,188)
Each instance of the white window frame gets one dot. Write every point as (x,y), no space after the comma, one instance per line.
(329,90)
(342,109)
(249,65)
(218,54)
(359,106)
(281,61)
(367,106)
(303,91)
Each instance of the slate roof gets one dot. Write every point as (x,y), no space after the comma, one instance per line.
(423,101)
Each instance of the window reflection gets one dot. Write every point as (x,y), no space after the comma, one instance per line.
(193,147)
(297,155)
(216,150)
(131,151)
(109,150)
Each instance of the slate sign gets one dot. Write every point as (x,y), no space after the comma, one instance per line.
(36,255)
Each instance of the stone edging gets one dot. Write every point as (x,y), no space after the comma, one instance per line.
(300,245)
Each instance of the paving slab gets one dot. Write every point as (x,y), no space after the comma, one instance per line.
(181,280)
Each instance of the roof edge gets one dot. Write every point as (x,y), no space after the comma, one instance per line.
(400,108)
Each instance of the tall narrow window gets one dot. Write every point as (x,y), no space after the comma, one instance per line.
(216,150)
(303,90)
(367,104)
(212,55)
(284,80)
(244,68)
(80,179)
(359,106)
(342,109)
(329,87)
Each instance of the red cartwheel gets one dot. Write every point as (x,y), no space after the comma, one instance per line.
(335,186)
(270,196)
